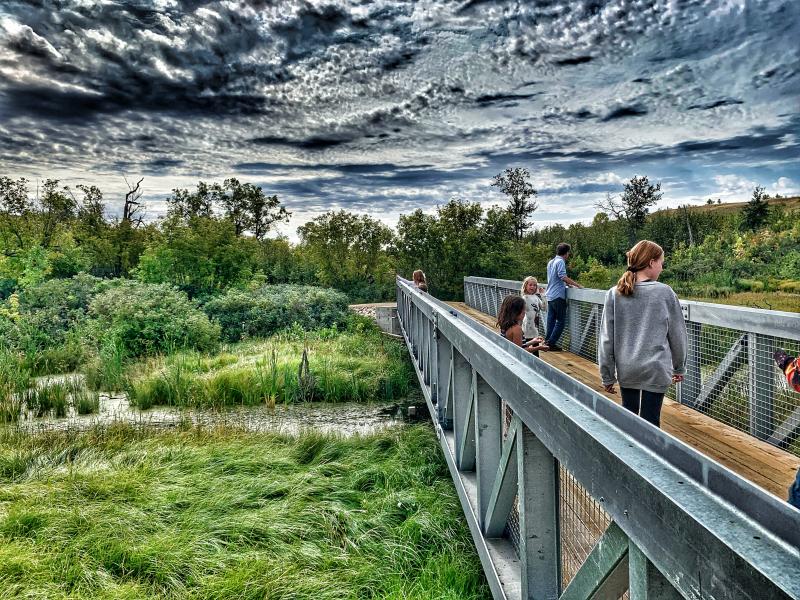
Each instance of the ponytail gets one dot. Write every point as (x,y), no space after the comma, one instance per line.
(639,258)
(626,283)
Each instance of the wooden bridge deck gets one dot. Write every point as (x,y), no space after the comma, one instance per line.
(765,465)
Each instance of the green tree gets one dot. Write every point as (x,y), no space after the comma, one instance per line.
(349,250)
(249,208)
(15,212)
(756,212)
(57,208)
(634,205)
(200,257)
(447,246)
(187,205)
(515,183)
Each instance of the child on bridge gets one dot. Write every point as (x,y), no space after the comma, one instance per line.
(509,320)
(643,337)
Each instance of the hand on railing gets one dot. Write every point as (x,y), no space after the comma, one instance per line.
(677,378)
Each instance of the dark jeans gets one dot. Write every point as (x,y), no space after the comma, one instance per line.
(794,491)
(650,404)
(556,319)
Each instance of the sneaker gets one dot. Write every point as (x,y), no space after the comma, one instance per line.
(782,359)
(554,348)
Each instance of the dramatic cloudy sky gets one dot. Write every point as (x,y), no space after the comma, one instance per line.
(385,106)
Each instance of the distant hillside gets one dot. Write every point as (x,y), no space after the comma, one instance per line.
(792,203)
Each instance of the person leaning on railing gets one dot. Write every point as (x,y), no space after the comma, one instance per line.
(556,294)
(643,337)
(509,321)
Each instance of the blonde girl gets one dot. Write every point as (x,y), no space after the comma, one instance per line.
(643,338)
(535,307)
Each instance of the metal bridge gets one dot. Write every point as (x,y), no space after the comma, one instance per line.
(568,495)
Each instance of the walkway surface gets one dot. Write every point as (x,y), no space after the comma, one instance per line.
(765,465)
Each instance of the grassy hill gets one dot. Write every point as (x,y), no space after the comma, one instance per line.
(792,203)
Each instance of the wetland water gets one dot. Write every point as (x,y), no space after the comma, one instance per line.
(343,418)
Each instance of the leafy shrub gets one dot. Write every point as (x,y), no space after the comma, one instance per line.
(790,265)
(150,319)
(750,285)
(45,322)
(792,287)
(596,276)
(261,312)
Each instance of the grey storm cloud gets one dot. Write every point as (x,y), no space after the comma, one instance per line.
(390,104)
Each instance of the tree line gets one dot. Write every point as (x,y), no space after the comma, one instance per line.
(216,237)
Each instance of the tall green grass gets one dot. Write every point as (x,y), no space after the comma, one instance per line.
(125,512)
(15,379)
(289,367)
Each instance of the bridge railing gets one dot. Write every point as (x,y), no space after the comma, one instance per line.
(731,375)
(568,495)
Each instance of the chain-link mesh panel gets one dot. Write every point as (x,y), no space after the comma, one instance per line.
(583,328)
(582,522)
(512,525)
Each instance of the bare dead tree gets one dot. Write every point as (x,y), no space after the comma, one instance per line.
(133,211)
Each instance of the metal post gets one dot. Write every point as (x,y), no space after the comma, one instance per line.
(488,442)
(692,384)
(461,396)
(429,351)
(645,580)
(444,360)
(762,385)
(539,545)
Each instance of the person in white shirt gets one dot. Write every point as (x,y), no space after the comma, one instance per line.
(535,306)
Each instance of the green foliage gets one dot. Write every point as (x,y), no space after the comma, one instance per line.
(245,206)
(750,285)
(447,246)
(349,252)
(515,183)
(263,311)
(106,369)
(789,266)
(202,257)
(596,276)
(756,211)
(222,514)
(358,365)
(15,379)
(151,318)
(634,205)
(789,286)
(46,321)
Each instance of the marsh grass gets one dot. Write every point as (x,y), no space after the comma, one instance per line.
(106,370)
(15,379)
(84,400)
(127,512)
(289,367)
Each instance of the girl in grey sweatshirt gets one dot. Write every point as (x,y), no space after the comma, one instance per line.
(643,339)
